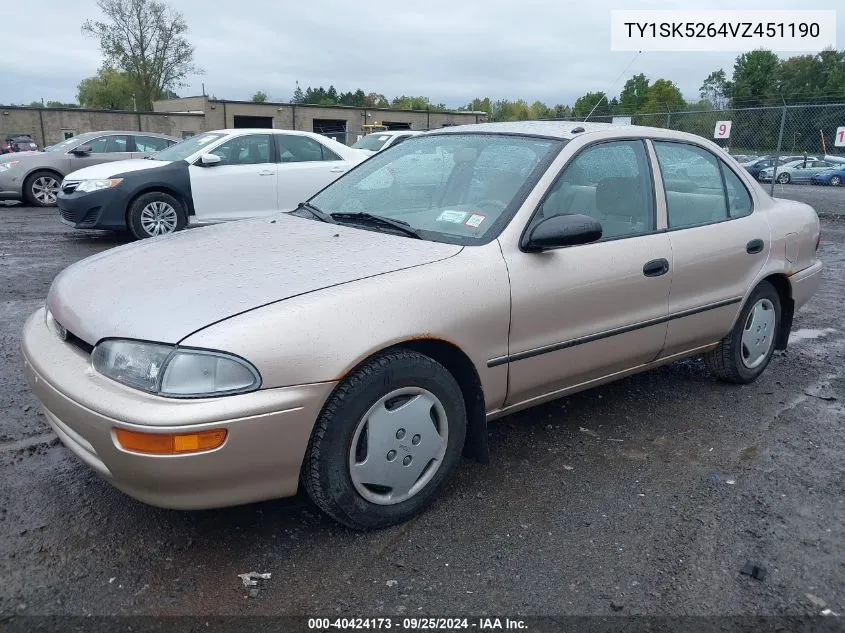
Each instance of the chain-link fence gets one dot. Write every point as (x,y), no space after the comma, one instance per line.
(777,131)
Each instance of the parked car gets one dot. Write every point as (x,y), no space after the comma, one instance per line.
(378,141)
(34,177)
(833,177)
(796,171)
(765,162)
(208,178)
(359,344)
(18,143)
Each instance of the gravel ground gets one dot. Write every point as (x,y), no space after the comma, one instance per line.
(642,497)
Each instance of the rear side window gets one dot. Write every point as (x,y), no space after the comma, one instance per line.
(739,200)
(302,149)
(151,143)
(107,144)
(692,180)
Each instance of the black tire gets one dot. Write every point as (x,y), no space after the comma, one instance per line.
(835,181)
(325,471)
(136,209)
(784,178)
(726,362)
(35,179)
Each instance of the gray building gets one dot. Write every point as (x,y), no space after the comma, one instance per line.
(189,115)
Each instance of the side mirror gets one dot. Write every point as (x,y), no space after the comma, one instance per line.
(209,160)
(562,230)
(81,150)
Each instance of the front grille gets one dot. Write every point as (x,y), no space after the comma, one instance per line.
(67,215)
(69,186)
(90,217)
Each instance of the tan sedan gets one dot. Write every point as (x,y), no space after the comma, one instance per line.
(359,344)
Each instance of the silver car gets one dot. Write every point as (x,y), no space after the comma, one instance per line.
(34,177)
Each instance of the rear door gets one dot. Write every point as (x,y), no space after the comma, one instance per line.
(304,167)
(104,149)
(719,245)
(242,185)
(146,145)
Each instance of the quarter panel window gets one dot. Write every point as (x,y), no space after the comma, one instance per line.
(739,200)
(610,182)
(692,179)
(252,149)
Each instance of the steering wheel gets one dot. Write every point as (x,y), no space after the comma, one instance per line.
(493,205)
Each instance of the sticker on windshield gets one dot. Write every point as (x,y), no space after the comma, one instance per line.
(475,220)
(455,217)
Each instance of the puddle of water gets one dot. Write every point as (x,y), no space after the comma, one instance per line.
(808,334)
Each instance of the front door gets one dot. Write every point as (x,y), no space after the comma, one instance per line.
(718,246)
(583,312)
(104,149)
(243,185)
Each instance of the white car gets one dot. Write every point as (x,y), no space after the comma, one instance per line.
(378,141)
(209,178)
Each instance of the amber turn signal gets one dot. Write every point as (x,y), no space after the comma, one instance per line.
(170,443)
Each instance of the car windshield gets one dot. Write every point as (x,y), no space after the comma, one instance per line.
(372,142)
(188,147)
(63,146)
(457,188)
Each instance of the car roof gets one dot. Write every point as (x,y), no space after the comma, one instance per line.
(262,130)
(133,132)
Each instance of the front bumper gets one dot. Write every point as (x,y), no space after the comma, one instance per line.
(104,209)
(268,430)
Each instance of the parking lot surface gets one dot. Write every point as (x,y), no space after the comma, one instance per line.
(646,496)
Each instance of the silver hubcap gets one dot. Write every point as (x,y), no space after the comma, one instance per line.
(45,189)
(158,218)
(835,181)
(758,335)
(783,178)
(398,446)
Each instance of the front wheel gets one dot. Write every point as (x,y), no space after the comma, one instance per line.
(155,213)
(386,441)
(744,353)
(784,178)
(41,188)
(835,181)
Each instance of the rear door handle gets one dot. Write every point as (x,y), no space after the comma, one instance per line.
(266,172)
(656,267)
(754,246)
(337,170)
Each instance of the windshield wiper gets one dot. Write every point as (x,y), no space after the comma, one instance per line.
(371,219)
(314,211)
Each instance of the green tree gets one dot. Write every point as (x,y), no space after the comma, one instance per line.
(109,89)
(298,95)
(754,77)
(540,110)
(480,105)
(416,103)
(715,89)
(664,96)
(59,104)
(633,95)
(376,100)
(146,39)
(35,104)
(595,102)
(259,97)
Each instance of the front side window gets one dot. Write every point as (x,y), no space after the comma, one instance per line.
(251,149)
(106,144)
(692,179)
(610,182)
(458,188)
(302,149)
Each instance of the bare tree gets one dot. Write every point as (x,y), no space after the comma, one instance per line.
(145,39)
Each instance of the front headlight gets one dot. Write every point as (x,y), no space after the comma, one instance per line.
(95,185)
(174,372)
(9,165)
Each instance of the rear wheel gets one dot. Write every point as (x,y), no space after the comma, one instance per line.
(386,441)
(835,181)
(41,188)
(155,213)
(784,178)
(744,353)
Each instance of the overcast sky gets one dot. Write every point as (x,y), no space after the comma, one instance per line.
(448,50)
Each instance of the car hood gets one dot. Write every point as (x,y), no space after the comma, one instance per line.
(166,288)
(114,168)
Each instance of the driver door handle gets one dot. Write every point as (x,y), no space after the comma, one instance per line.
(337,170)
(656,268)
(267,172)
